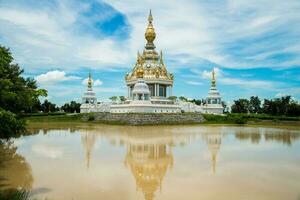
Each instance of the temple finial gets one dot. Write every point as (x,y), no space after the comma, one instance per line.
(150,32)
(150,18)
(90,80)
(213,80)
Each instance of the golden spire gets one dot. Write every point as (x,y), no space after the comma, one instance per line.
(90,80)
(161,58)
(150,32)
(213,80)
(150,18)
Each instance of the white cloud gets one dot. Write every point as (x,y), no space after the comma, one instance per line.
(292,91)
(96,82)
(208,74)
(212,30)
(224,79)
(47,151)
(279,94)
(194,83)
(53,77)
(245,83)
(224,32)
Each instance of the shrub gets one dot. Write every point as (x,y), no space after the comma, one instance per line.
(10,125)
(13,194)
(91,118)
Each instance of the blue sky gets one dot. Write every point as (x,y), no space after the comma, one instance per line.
(254,45)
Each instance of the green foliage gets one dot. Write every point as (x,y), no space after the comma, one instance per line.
(240,106)
(283,106)
(91,118)
(14,194)
(17,94)
(47,107)
(172,98)
(113,98)
(196,101)
(11,125)
(182,98)
(122,98)
(43,114)
(72,107)
(255,104)
(227,119)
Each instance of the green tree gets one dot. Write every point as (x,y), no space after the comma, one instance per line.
(17,94)
(280,106)
(293,109)
(47,107)
(224,106)
(196,101)
(122,98)
(74,107)
(182,98)
(66,108)
(240,106)
(113,98)
(172,98)
(255,104)
(11,125)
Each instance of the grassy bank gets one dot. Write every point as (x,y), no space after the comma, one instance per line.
(54,118)
(249,119)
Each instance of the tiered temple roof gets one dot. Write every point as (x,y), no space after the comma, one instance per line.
(149,64)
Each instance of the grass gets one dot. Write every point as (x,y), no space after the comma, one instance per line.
(43,114)
(55,118)
(252,119)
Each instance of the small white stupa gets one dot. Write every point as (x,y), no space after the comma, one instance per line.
(89,99)
(213,103)
(141,92)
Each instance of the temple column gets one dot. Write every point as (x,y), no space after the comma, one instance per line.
(157,89)
(128,92)
(154,90)
(171,90)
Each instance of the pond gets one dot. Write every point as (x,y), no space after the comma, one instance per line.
(80,161)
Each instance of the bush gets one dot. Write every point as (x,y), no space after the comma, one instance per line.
(13,194)
(10,125)
(43,114)
(91,118)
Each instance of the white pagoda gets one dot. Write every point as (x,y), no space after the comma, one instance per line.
(149,84)
(213,103)
(89,99)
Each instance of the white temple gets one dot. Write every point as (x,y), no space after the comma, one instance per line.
(89,99)
(213,103)
(149,87)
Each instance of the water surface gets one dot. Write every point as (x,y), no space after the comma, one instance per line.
(76,161)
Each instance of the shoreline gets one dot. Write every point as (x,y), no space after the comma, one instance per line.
(186,119)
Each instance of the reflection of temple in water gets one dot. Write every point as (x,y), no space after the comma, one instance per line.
(213,141)
(148,163)
(88,140)
(149,154)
